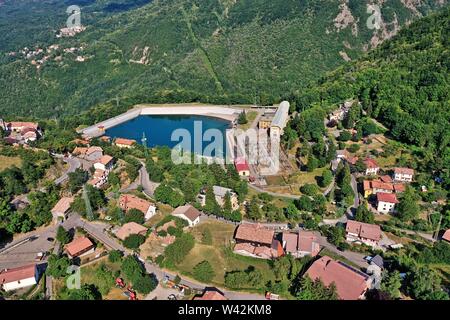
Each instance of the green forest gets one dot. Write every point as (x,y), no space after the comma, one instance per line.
(217,51)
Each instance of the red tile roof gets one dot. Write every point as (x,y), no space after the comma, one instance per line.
(254,233)
(105,159)
(130,228)
(364,230)
(399,187)
(387,197)
(371,163)
(404,171)
(211,295)
(241,165)
(15,274)
(386,178)
(446,235)
(350,283)
(77,246)
(129,201)
(382,185)
(125,142)
(307,242)
(63,205)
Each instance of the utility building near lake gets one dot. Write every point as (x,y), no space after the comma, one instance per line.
(280,120)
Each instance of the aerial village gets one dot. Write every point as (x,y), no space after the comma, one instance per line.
(140,227)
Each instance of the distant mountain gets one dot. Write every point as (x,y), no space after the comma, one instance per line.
(223,51)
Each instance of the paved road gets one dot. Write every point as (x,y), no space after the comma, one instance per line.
(74,164)
(353,208)
(143,180)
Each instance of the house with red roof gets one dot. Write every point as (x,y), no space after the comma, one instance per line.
(17,278)
(386,202)
(369,234)
(351,284)
(403,174)
(130,201)
(211,294)
(124,143)
(188,213)
(446,235)
(372,167)
(303,243)
(242,167)
(257,241)
(79,247)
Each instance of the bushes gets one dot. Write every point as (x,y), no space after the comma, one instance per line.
(176,251)
(134,271)
(135,215)
(134,241)
(115,256)
(204,272)
(309,189)
(250,278)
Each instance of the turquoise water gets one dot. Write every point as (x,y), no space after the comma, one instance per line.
(159,128)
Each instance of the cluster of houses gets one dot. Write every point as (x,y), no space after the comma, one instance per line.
(257,241)
(384,188)
(103,164)
(18,132)
(70,31)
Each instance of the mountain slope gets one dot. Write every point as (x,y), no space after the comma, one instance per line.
(404,84)
(223,51)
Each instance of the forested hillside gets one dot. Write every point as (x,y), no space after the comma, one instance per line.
(222,51)
(404,84)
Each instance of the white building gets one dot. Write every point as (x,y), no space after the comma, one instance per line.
(386,202)
(16,278)
(105,163)
(403,174)
(280,120)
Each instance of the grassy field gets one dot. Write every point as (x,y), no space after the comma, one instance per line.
(7,162)
(251,116)
(218,254)
(88,276)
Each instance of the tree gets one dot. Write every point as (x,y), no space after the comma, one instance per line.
(326,179)
(345,136)
(391,284)
(115,256)
(134,241)
(242,118)
(134,215)
(363,214)
(254,211)
(113,179)
(132,268)
(63,236)
(179,249)
(146,283)
(86,292)
(315,290)
(291,211)
(309,189)
(204,272)
(57,267)
(422,282)
(312,163)
(408,209)
(304,203)
(77,179)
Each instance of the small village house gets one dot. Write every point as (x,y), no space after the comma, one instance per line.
(79,247)
(219,194)
(124,143)
(303,243)
(369,234)
(351,284)
(61,209)
(372,167)
(446,236)
(377,186)
(105,163)
(264,122)
(403,174)
(257,241)
(130,228)
(188,213)
(93,153)
(17,278)
(242,167)
(129,201)
(386,202)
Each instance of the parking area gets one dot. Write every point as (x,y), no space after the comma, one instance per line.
(25,253)
(162,293)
